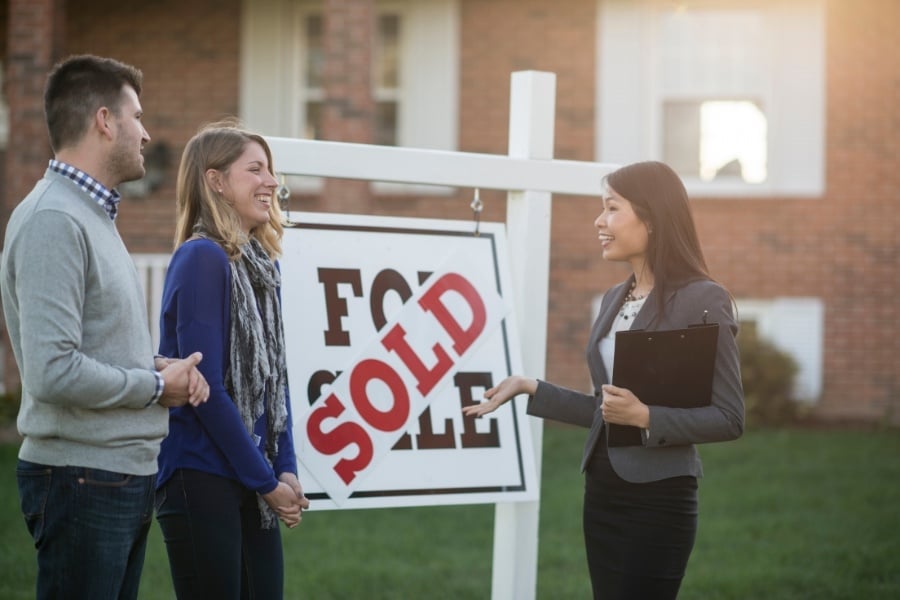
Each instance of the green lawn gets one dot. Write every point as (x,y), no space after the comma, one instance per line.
(783,515)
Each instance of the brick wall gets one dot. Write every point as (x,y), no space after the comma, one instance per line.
(349,109)
(856,242)
(189,54)
(35,37)
(842,247)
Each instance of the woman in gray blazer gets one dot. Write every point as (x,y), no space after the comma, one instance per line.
(640,501)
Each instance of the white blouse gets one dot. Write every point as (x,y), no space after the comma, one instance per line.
(624,320)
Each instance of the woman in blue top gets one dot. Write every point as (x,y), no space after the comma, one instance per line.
(227,470)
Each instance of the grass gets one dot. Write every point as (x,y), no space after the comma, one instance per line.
(784,515)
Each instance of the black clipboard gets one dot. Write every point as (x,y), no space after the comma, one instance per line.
(665,368)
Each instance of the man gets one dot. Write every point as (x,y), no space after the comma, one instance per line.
(94,399)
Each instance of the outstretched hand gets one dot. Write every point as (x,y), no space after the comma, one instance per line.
(500,394)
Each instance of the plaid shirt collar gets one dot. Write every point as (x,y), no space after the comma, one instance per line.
(108,199)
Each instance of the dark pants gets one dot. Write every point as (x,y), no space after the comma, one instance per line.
(89,528)
(216,546)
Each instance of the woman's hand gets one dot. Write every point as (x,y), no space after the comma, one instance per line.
(498,395)
(284,501)
(621,407)
(294,483)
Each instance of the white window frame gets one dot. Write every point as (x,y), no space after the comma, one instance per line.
(629,98)
(272,86)
(796,326)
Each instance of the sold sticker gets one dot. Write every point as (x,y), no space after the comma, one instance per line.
(378,395)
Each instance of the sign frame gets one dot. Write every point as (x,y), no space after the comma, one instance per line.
(378,245)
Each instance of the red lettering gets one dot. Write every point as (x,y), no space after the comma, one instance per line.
(339,438)
(432,301)
(362,374)
(427,378)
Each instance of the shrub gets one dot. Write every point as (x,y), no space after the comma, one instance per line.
(768,377)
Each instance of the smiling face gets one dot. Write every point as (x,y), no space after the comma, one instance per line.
(623,236)
(249,187)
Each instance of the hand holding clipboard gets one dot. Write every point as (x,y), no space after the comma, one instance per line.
(664,368)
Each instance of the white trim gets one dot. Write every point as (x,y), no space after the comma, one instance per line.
(437,167)
(266,94)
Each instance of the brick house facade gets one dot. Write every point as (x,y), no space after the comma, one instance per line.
(839,247)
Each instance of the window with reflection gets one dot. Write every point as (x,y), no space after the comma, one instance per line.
(715,140)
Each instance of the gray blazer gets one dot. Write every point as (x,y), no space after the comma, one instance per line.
(669,449)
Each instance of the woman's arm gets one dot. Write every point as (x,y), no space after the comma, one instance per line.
(558,403)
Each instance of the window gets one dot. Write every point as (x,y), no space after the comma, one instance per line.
(713,139)
(385,74)
(795,326)
(730,94)
(414,70)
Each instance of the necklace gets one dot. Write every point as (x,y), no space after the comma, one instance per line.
(633,303)
(630,296)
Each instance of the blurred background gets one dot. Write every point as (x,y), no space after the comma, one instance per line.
(782,117)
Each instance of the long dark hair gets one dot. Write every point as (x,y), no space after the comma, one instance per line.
(660,201)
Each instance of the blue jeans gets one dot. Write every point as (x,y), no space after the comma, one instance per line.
(216,547)
(89,527)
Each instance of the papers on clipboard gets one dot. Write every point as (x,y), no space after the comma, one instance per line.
(664,368)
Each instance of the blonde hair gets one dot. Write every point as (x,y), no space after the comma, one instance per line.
(198,206)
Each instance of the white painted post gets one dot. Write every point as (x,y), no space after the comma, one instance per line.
(531,118)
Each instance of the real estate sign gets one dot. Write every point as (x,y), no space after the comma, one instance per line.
(393,325)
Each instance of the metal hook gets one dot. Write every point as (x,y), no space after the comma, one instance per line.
(284,195)
(477,206)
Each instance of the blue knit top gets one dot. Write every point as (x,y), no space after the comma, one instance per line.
(196,307)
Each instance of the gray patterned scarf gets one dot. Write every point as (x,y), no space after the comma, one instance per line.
(256,377)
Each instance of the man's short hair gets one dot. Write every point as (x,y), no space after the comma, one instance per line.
(77,87)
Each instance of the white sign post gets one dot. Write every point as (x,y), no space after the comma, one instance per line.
(529,175)
(531,114)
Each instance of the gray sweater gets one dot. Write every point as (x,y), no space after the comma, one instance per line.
(77,321)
